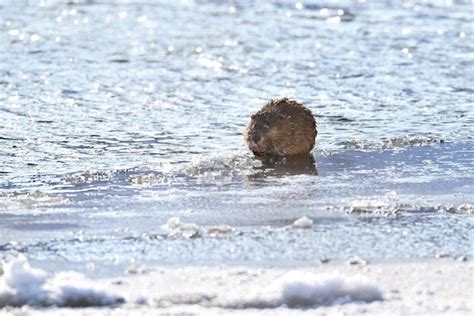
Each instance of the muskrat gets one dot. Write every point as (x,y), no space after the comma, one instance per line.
(282,127)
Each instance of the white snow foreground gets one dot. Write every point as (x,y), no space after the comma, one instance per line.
(435,287)
(22,284)
(301,289)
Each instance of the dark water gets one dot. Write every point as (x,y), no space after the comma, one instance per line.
(118,115)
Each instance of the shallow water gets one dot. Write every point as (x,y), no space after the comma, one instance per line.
(116,116)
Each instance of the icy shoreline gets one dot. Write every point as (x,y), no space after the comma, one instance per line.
(433,287)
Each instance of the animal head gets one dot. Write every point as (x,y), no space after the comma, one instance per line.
(281,128)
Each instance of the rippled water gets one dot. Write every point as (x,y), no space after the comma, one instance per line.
(118,115)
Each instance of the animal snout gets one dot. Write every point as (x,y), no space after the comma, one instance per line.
(256,137)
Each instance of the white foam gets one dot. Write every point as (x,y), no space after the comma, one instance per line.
(300,289)
(22,284)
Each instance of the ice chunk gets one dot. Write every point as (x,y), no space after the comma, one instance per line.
(219,229)
(22,284)
(305,290)
(303,222)
(75,290)
(175,228)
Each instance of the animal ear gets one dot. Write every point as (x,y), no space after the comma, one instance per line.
(253,116)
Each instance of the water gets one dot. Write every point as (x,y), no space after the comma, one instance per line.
(116,116)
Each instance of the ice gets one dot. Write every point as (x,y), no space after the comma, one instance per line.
(306,290)
(22,284)
(433,288)
(14,201)
(301,290)
(303,222)
(370,205)
(219,229)
(75,290)
(176,228)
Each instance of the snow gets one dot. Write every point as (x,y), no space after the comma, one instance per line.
(75,290)
(307,290)
(434,287)
(22,284)
(303,222)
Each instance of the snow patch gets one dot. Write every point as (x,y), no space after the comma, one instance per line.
(307,290)
(303,290)
(75,290)
(22,284)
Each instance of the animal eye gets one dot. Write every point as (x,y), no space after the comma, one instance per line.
(253,116)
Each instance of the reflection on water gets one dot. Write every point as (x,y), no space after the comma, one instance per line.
(284,166)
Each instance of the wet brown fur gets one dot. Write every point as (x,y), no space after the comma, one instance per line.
(282,127)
